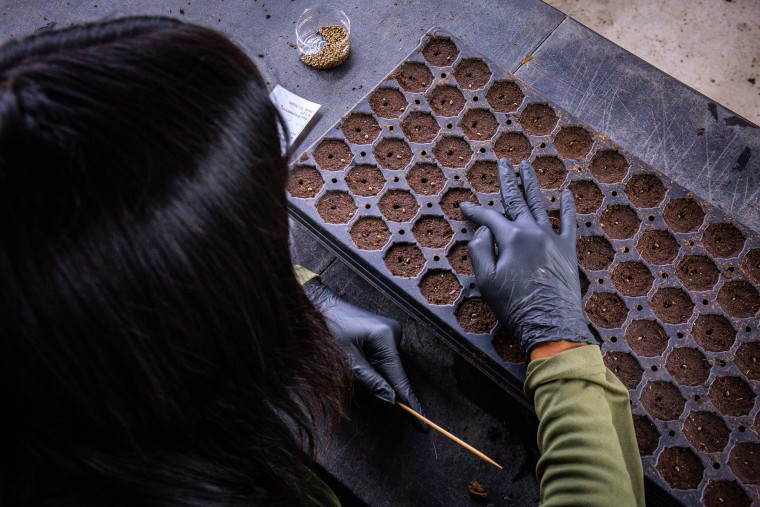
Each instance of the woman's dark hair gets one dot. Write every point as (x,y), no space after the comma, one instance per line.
(156,348)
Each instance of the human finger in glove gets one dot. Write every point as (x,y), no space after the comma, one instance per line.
(526,273)
(370,343)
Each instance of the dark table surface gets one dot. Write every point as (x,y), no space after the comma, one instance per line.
(375,457)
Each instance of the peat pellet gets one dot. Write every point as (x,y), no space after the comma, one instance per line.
(333,155)
(365,180)
(514,146)
(658,247)
(507,346)
(538,119)
(484,176)
(672,305)
(606,309)
(723,240)
(398,205)
(472,73)
(453,152)
(594,252)
(453,198)
(751,265)
(550,171)
(479,124)
(619,221)
(393,153)
(744,460)
(387,102)
(748,360)
(697,272)
(723,493)
(336,207)
(739,298)
(632,278)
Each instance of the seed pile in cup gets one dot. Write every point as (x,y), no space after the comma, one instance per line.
(331,54)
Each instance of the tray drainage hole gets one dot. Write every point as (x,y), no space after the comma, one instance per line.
(679,334)
(552,198)
(401,232)
(367,206)
(671,432)
(691,242)
(490,203)
(509,122)
(436,258)
(731,269)
(395,179)
(443,75)
(614,193)
(542,145)
(748,329)
(588,224)
(430,205)
(626,249)
(390,127)
(363,154)
(613,339)
(417,101)
(482,150)
(654,368)
(664,275)
(716,466)
(464,230)
(472,285)
(599,281)
(651,218)
(474,99)
(334,180)
(639,307)
(423,152)
(449,125)
(742,428)
(456,177)
(697,397)
(705,302)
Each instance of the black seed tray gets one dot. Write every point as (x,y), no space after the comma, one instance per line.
(669,281)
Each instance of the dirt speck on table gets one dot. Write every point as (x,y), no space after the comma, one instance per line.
(476,490)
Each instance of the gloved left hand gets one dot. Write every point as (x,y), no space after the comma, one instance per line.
(370,343)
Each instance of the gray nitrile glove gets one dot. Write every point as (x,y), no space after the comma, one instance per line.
(526,272)
(370,343)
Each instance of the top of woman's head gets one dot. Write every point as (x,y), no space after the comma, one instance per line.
(156,345)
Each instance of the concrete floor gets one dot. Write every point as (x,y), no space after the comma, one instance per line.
(711,45)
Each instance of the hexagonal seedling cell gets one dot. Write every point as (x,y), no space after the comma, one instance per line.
(420,127)
(538,119)
(365,180)
(751,265)
(606,310)
(483,176)
(550,171)
(453,152)
(739,299)
(625,367)
(360,128)
(459,258)
(744,460)
(414,77)
(657,247)
(479,124)
(432,232)
(720,493)
(475,316)
(683,214)
(446,100)
(587,196)
(609,166)
(594,252)
(706,431)
(723,240)
(472,73)
(672,305)
(662,400)
(404,260)
(426,179)
(398,205)
(688,366)
(333,155)
(507,347)
(573,142)
(336,207)
(304,182)
(748,360)
(713,332)
(505,96)
(620,221)
(680,468)
(370,233)
(697,272)
(440,51)
(645,190)
(632,278)
(451,200)
(514,146)
(440,287)
(393,153)
(387,102)
(732,396)
(646,338)
(647,435)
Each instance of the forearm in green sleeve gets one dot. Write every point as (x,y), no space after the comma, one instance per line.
(589,454)
(303,275)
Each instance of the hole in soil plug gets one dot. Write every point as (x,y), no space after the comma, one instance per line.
(739,299)
(365,180)
(688,366)
(714,333)
(393,153)
(420,127)
(479,124)
(440,51)
(672,305)
(446,100)
(360,128)
(697,272)
(538,119)
(414,77)
(451,200)
(370,233)
(587,196)
(646,338)
(475,316)
(514,146)
(732,396)
(625,367)
(304,182)
(453,152)
(472,73)
(332,155)
(426,179)
(398,205)
(647,435)
(606,310)
(706,431)
(683,214)
(459,258)
(550,171)
(594,252)
(657,247)
(619,221)
(609,166)
(505,96)
(680,468)
(507,347)
(723,240)
(645,190)
(662,400)
(404,260)
(432,232)
(387,102)
(440,287)
(632,278)
(336,207)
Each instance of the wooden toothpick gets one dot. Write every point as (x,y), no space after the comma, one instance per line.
(449,435)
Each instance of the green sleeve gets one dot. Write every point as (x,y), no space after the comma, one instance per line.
(589,454)
(303,275)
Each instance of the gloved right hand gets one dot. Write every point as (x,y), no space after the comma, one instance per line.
(526,273)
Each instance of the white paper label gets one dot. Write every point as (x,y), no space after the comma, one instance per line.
(296,111)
